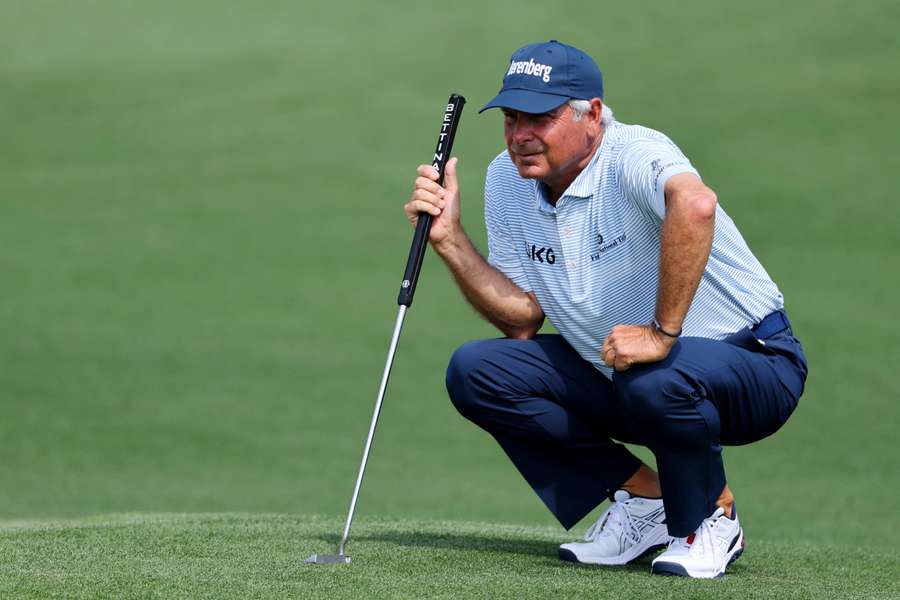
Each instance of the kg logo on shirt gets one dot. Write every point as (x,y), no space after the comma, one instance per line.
(541,255)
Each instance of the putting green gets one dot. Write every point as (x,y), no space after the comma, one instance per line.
(242,556)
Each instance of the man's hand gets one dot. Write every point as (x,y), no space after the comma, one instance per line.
(627,345)
(516,313)
(442,203)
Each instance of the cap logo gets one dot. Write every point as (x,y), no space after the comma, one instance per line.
(530,68)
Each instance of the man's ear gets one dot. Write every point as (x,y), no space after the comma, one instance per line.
(596,109)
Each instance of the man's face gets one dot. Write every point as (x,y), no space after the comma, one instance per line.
(547,146)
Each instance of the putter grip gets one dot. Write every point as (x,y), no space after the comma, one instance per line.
(423,225)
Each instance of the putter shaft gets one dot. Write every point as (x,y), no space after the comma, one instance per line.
(398,326)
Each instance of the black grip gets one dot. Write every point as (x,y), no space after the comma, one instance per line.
(423,225)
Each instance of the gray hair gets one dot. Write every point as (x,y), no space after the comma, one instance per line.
(583,107)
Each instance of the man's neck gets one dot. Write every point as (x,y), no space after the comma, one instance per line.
(556,187)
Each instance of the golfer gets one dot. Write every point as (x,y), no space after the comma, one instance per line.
(671,333)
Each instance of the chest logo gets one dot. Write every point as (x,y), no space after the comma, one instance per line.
(542,255)
(609,245)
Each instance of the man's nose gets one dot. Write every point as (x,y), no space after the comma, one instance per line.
(521,131)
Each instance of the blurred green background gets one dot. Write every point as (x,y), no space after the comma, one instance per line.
(202,240)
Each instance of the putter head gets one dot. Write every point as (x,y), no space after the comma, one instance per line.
(328,559)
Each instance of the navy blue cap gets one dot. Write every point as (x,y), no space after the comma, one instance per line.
(541,77)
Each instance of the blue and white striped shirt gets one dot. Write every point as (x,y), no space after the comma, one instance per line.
(592,260)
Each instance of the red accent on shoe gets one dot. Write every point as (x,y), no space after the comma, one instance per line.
(690,539)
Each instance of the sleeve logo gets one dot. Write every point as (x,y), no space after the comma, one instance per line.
(656,169)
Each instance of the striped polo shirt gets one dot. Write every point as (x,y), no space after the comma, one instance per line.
(592,260)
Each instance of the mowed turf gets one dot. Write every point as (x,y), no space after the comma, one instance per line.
(257,556)
(202,241)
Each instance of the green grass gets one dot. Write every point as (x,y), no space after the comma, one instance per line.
(201,241)
(260,556)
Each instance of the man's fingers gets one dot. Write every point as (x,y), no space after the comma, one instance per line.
(608,354)
(426,196)
(450,180)
(415,206)
(427,171)
(423,183)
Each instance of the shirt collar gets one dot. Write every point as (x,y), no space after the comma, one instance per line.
(581,187)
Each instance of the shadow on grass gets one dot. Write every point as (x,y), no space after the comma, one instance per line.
(545,552)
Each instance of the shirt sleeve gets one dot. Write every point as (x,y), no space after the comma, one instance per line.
(502,254)
(644,167)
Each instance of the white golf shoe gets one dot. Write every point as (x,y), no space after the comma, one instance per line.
(630,528)
(707,552)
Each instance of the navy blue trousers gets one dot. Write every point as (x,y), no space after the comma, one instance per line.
(560,420)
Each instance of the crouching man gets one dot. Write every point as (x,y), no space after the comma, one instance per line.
(672,334)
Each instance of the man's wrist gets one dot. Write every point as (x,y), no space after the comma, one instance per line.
(451,244)
(669,333)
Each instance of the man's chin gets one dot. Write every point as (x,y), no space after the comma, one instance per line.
(529,169)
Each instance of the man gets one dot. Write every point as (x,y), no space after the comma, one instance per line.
(673,336)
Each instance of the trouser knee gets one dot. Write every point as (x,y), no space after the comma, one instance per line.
(641,395)
(462,378)
(661,404)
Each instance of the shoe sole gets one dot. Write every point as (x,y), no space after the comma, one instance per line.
(567,555)
(667,569)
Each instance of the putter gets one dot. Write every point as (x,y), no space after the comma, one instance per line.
(404,300)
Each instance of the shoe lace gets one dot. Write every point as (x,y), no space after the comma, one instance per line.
(703,539)
(617,519)
(705,531)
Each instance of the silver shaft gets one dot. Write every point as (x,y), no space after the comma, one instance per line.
(365,458)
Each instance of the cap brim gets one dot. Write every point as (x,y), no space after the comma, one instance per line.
(526,101)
